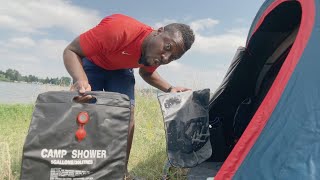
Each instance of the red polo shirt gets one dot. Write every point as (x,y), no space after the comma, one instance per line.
(115,43)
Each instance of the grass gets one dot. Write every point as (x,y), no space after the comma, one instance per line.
(14,123)
(4,79)
(148,153)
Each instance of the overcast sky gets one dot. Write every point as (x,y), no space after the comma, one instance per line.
(33,33)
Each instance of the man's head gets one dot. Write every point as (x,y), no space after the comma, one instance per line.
(166,44)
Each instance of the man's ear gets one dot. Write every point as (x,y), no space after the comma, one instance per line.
(160,30)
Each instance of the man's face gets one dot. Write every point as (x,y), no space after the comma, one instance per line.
(162,48)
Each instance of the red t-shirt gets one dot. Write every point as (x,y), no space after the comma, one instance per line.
(115,43)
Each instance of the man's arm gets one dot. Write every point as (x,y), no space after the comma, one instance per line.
(155,80)
(72,56)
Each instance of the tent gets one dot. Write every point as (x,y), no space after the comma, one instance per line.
(265,116)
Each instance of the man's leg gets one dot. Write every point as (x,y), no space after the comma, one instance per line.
(122,81)
(130,134)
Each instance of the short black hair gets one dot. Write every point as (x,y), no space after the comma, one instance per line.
(186,32)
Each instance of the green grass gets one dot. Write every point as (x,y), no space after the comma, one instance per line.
(148,153)
(14,123)
(4,79)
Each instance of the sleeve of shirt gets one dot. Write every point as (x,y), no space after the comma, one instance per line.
(104,38)
(150,69)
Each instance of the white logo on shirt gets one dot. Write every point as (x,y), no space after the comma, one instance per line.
(125,53)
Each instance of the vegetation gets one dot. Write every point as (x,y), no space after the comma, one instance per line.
(148,154)
(14,124)
(12,75)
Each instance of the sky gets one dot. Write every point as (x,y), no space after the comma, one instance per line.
(34,33)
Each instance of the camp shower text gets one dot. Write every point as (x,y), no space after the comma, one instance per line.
(76,153)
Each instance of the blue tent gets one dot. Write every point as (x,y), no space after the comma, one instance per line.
(269,102)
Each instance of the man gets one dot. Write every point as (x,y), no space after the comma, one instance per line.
(103,57)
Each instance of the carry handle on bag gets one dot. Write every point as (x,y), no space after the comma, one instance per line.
(69,140)
(186,122)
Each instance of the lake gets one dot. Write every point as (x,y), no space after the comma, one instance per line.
(24,93)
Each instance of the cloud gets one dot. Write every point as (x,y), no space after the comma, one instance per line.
(41,57)
(196,25)
(27,19)
(164,23)
(218,44)
(179,74)
(19,42)
(202,24)
(33,16)
(239,31)
(240,20)
(222,43)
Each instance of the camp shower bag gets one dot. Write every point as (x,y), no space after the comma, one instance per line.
(77,141)
(186,121)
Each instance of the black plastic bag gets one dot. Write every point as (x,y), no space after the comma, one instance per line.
(186,120)
(53,151)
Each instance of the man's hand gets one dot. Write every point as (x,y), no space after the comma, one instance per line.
(81,87)
(179,89)
(155,80)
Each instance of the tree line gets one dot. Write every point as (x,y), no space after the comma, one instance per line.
(12,75)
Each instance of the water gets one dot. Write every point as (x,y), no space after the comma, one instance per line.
(24,93)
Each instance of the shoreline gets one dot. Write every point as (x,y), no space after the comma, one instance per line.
(25,93)
(34,83)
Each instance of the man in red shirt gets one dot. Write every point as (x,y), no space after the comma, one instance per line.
(103,57)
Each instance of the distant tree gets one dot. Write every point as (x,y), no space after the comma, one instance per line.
(2,76)
(47,81)
(54,81)
(17,76)
(10,74)
(65,81)
(41,80)
(32,78)
(14,75)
